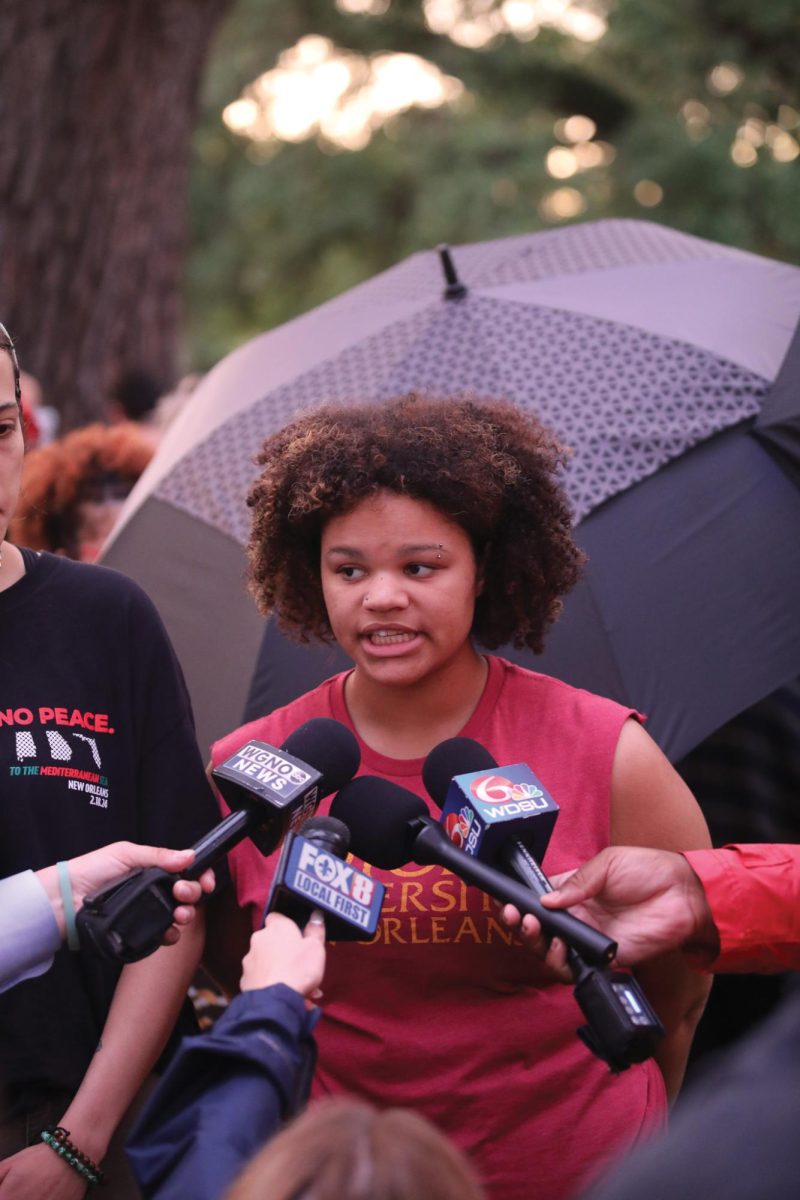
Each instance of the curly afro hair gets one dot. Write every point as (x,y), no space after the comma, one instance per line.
(487,466)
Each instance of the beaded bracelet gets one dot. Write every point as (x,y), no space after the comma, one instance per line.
(57,1138)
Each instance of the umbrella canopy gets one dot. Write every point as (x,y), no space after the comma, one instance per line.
(639,345)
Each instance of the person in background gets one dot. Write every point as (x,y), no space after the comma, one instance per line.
(40,421)
(73,489)
(97,746)
(37,908)
(413,533)
(134,397)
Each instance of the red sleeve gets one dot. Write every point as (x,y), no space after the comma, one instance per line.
(754,894)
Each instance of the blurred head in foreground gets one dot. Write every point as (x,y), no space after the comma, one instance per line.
(343,1149)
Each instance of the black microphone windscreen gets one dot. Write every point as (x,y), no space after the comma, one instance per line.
(329,830)
(455,756)
(379,816)
(329,747)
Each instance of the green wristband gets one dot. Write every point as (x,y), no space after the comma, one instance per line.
(69,906)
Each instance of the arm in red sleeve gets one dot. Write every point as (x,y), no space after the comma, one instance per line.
(754,895)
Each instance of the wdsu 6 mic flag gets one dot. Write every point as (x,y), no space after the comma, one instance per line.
(481,807)
(312,873)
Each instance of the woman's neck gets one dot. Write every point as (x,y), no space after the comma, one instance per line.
(12,565)
(407,722)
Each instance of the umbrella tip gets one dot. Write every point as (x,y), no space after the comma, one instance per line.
(455,289)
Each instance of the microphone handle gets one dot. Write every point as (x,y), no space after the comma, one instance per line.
(432,845)
(127,919)
(220,839)
(518,858)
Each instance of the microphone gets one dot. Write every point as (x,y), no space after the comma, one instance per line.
(389,826)
(312,874)
(270,792)
(621,1026)
(502,815)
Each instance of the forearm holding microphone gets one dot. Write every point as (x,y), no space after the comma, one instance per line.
(270,792)
(732,909)
(35,907)
(229,1090)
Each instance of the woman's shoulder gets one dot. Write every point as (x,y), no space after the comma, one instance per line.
(519,682)
(275,727)
(90,579)
(92,591)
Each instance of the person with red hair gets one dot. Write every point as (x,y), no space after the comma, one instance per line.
(73,489)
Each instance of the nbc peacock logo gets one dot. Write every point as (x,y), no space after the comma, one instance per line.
(496,789)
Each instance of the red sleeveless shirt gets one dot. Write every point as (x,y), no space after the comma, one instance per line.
(444,1011)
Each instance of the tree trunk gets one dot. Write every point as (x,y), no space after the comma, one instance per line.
(98,100)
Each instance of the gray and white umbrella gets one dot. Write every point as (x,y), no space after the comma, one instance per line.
(650,352)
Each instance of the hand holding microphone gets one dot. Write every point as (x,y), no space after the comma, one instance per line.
(281,952)
(88,872)
(270,792)
(649,901)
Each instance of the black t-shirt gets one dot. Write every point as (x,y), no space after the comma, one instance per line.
(97,745)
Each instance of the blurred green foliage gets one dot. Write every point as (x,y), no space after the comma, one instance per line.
(278,229)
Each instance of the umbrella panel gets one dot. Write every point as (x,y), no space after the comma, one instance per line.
(196,575)
(692,589)
(626,400)
(778,423)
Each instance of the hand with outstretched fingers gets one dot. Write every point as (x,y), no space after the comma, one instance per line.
(648,901)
